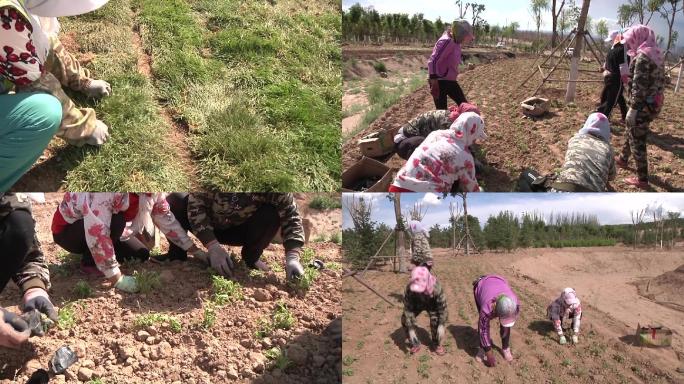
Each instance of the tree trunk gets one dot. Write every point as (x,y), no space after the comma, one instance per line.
(574,64)
(465,223)
(400,232)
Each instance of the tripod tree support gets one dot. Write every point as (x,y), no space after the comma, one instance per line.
(348,273)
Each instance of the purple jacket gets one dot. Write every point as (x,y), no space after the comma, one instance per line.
(445,59)
(486,291)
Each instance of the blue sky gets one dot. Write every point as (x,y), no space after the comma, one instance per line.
(611,208)
(502,12)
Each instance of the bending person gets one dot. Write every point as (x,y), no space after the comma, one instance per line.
(566,305)
(443,159)
(22,261)
(495,298)
(424,293)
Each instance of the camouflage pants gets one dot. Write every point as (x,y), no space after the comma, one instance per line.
(63,70)
(409,323)
(636,144)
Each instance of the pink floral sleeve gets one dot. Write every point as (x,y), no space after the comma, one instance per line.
(164,219)
(467,180)
(18,60)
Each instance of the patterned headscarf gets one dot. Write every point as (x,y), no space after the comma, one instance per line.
(468,128)
(457,110)
(642,39)
(422,281)
(416,226)
(461,29)
(597,124)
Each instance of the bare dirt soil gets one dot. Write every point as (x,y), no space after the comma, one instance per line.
(374,347)
(515,142)
(114,349)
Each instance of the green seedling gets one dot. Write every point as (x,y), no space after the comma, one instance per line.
(158,318)
(82,289)
(66,316)
(348,360)
(280,359)
(225,290)
(347,372)
(283,317)
(264,328)
(148,281)
(96,381)
(209,316)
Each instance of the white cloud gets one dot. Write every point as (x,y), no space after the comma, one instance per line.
(431,199)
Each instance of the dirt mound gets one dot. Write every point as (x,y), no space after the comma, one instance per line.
(114,346)
(665,289)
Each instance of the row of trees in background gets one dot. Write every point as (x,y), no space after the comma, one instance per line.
(642,12)
(506,232)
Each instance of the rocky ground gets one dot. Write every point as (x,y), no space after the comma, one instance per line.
(168,335)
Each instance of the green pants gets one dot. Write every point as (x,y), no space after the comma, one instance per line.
(27,123)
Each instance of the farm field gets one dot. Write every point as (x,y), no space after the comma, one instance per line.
(207,95)
(605,278)
(514,142)
(266,331)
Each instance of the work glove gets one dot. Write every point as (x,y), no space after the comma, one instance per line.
(219,259)
(508,355)
(575,338)
(198,253)
(13,330)
(99,135)
(630,119)
(97,89)
(38,299)
(562,340)
(127,284)
(293,269)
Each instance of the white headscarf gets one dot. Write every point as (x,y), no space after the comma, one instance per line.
(416,227)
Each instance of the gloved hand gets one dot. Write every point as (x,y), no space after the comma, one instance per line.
(37,298)
(198,253)
(127,284)
(630,119)
(97,89)
(508,355)
(99,135)
(293,269)
(562,340)
(489,359)
(575,338)
(219,259)
(13,330)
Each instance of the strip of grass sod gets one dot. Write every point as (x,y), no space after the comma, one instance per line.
(135,158)
(262,94)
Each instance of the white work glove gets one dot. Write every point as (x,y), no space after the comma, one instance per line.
(98,89)
(99,135)
(293,269)
(575,338)
(219,259)
(127,284)
(630,119)
(562,340)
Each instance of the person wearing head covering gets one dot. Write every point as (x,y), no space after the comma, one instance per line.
(443,159)
(94,225)
(22,261)
(646,89)
(589,162)
(421,255)
(38,109)
(494,298)
(615,71)
(424,293)
(566,305)
(411,135)
(444,61)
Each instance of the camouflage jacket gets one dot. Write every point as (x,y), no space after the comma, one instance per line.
(426,122)
(34,271)
(415,303)
(589,163)
(209,211)
(420,246)
(646,84)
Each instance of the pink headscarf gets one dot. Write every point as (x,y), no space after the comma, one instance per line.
(642,39)
(422,281)
(457,110)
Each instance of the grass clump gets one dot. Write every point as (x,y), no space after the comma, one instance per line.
(82,289)
(158,318)
(279,358)
(209,317)
(147,281)
(379,67)
(281,318)
(66,317)
(225,290)
(324,202)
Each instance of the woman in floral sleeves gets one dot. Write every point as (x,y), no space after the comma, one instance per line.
(95,226)
(443,159)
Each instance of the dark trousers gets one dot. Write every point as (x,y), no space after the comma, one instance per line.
(253,235)
(72,238)
(453,90)
(504,332)
(612,94)
(17,243)
(406,147)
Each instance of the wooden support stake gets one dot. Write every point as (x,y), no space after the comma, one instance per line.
(679,77)
(353,275)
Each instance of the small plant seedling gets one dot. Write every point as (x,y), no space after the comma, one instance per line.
(283,317)
(619,358)
(96,381)
(159,318)
(333,266)
(348,360)
(280,359)
(424,358)
(424,370)
(147,281)
(255,273)
(566,363)
(66,317)
(360,344)
(306,281)
(307,256)
(225,290)
(347,372)
(336,238)
(82,289)
(209,316)
(264,328)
